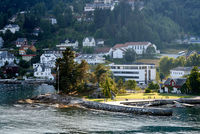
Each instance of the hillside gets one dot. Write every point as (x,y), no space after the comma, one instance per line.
(158,21)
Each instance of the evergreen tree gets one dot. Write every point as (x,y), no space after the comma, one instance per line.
(193,82)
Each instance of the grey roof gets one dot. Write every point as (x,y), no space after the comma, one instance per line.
(21,40)
(6,54)
(182,68)
(178,81)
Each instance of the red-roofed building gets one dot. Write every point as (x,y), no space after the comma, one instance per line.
(103,51)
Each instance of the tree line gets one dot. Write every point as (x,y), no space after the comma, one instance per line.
(159,21)
(166,63)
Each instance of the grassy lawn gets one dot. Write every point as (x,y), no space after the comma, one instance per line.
(145,96)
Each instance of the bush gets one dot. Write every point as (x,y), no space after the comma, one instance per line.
(148,90)
(122,91)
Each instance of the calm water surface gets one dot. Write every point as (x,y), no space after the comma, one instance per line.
(25,119)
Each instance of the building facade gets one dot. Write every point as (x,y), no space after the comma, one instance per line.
(43,71)
(5,56)
(12,28)
(141,73)
(89,42)
(68,43)
(1,42)
(174,85)
(139,47)
(179,72)
(91,59)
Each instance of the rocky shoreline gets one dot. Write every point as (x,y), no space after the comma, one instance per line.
(63,101)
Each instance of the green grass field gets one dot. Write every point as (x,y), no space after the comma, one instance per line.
(135,96)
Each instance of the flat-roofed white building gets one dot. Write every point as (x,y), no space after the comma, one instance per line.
(141,73)
(179,72)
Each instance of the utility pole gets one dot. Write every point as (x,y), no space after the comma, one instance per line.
(58,79)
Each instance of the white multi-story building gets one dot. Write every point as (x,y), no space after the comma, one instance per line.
(139,47)
(42,71)
(47,62)
(91,59)
(68,43)
(89,42)
(49,59)
(11,28)
(5,56)
(141,73)
(1,42)
(179,72)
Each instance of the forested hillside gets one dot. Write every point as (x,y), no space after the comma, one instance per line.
(159,21)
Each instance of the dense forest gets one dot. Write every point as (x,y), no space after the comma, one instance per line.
(158,21)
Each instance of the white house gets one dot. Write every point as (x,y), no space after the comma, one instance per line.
(89,42)
(89,8)
(1,42)
(139,47)
(91,59)
(11,28)
(179,72)
(42,71)
(68,43)
(100,42)
(53,21)
(141,73)
(49,59)
(118,53)
(5,56)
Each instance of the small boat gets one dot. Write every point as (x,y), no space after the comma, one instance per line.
(178,104)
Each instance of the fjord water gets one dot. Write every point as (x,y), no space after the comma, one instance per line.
(18,119)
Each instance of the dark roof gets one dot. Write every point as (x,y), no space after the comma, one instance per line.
(6,54)
(21,40)
(102,50)
(178,81)
(12,65)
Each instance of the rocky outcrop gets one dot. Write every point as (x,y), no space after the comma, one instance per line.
(63,101)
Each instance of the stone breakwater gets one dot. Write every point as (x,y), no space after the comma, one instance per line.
(126,109)
(61,101)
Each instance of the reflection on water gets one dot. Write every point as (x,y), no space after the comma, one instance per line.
(15,118)
(10,93)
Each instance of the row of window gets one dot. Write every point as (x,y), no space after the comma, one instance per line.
(125,72)
(178,73)
(43,74)
(131,67)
